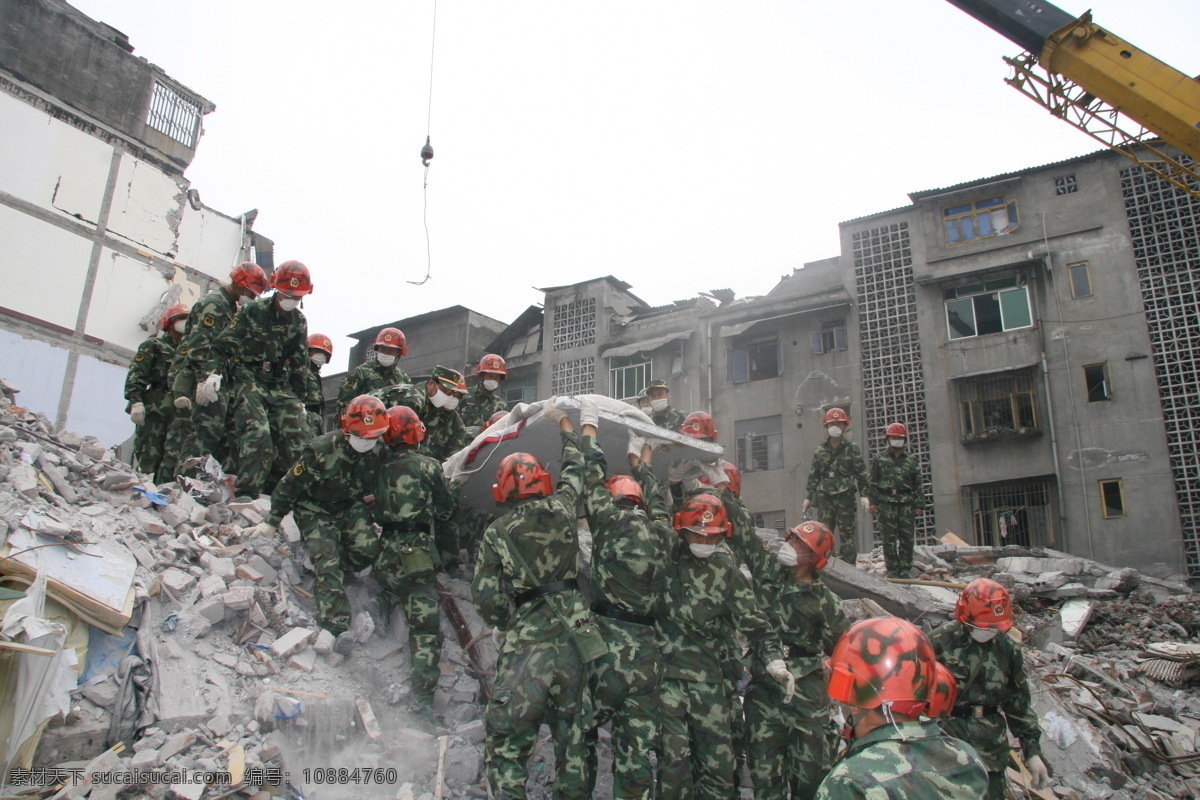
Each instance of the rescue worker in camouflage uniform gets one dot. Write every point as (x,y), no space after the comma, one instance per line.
(320,350)
(661,410)
(483,401)
(837,472)
(267,346)
(993,690)
(206,429)
(326,492)
(790,747)
(897,498)
(411,500)
(632,540)
(708,602)
(369,376)
(148,394)
(525,587)
(882,671)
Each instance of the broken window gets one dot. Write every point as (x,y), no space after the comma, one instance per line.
(1112,499)
(173,113)
(1095,377)
(1081,279)
(988,307)
(998,407)
(759,443)
(756,361)
(770,519)
(979,220)
(628,375)
(831,337)
(1013,512)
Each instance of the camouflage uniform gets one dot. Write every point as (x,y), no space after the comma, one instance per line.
(324,492)
(207,429)
(479,405)
(366,378)
(630,558)
(411,499)
(907,761)
(540,675)
(835,474)
(146,383)
(993,698)
(791,746)
(314,400)
(669,418)
(895,488)
(708,601)
(269,350)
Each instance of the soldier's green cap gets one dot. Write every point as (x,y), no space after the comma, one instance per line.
(657,384)
(449,379)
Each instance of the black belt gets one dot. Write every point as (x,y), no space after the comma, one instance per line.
(797,651)
(974,712)
(520,598)
(607,609)
(405,527)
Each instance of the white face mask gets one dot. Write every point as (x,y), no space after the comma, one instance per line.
(702,550)
(491,385)
(385,359)
(444,401)
(982,635)
(180,325)
(320,359)
(659,404)
(787,555)
(288,303)
(834,431)
(361,445)
(896,443)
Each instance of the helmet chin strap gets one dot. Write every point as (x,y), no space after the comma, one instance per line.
(887,715)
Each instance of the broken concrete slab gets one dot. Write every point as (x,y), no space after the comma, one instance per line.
(292,641)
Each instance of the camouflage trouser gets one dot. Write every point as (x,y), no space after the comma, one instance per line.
(175,445)
(895,525)
(626,684)
(271,434)
(338,545)
(470,525)
(989,736)
(697,758)
(791,745)
(150,438)
(541,683)
(316,423)
(405,569)
(840,514)
(735,671)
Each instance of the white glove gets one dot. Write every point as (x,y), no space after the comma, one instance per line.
(635,444)
(807,505)
(778,670)
(865,502)
(206,392)
(1039,776)
(551,410)
(137,413)
(589,412)
(183,403)
(680,471)
(261,529)
(715,474)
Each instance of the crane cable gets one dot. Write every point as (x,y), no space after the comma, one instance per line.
(427,155)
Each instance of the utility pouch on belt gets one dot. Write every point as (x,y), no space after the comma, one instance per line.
(416,561)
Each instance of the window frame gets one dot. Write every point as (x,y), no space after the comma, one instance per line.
(976,396)
(831,337)
(523,383)
(1120,486)
(761,519)
(1106,382)
(738,359)
(1087,270)
(998,289)
(975,211)
(764,431)
(637,360)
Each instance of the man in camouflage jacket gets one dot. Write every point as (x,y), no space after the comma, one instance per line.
(485,399)
(541,675)
(897,496)
(631,546)
(146,385)
(836,474)
(372,375)
(663,414)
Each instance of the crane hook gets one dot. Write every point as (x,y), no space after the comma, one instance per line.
(426,152)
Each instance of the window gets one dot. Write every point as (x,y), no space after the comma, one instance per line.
(1095,377)
(770,519)
(574,377)
(832,336)
(1012,513)
(1081,279)
(628,375)
(989,307)
(1112,499)
(979,220)
(1065,184)
(575,323)
(174,114)
(759,443)
(998,407)
(519,389)
(756,361)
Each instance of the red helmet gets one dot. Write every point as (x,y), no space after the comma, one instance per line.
(319,341)
(292,279)
(624,487)
(521,475)
(699,425)
(703,513)
(732,473)
(177,311)
(391,337)
(896,429)
(945,692)
(984,604)
(492,363)
(248,275)
(499,415)
(836,415)
(883,660)
(404,426)
(816,537)
(365,417)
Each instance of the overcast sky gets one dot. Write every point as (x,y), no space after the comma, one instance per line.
(680,146)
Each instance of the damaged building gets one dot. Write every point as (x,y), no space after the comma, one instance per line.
(101,229)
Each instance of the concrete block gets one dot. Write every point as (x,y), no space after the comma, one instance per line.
(304,661)
(70,439)
(174,516)
(260,565)
(223,567)
(103,694)
(220,725)
(92,449)
(23,479)
(211,585)
(212,608)
(176,744)
(155,528)
(144,759)
(367,715)
(251,515)
(292,641)
(118,481)
(239,598)
(324,642)
(248,573)
(177,581)
(474,731)
(289,530)
(187,791)
(199,515)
